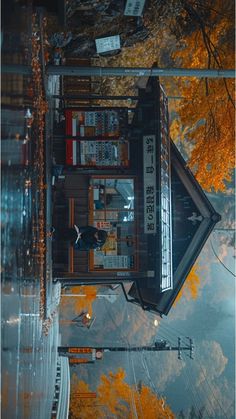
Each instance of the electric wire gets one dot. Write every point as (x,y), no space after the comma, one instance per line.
(196,397)
(222,263)
(212,391)
(210,409)
(134,410)
(130,360)
(162,336)
(146,371)
(169,335)
(211,413)
(232,404)
(195,393)
(125,340)
(144,361)
(136,386)
(154,387)
(211,388)
(174,332)
(169,332)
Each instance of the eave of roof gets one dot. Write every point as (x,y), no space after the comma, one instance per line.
(210,218)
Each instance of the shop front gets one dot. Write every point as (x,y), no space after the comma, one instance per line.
(118,178)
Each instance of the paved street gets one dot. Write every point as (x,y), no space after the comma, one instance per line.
(28,354)
(30,332)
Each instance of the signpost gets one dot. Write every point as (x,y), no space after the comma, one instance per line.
(134,7)
(159,346)
(109,43)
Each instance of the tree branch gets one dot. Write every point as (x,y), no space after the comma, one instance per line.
(210,47)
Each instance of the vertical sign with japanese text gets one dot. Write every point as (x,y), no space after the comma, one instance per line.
(134,7)
(149,184)
(109,43)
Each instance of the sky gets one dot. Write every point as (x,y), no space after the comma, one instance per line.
(210,322)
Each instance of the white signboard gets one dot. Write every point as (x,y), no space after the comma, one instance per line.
(149,184)
(107,44)
(116,262)
(134,7)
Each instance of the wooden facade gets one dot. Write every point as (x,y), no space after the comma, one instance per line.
(157,216)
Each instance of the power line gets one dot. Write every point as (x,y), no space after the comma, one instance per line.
(130,360)
(196,391)
(221,260)
(143,359)
(172,332)
(126,341)
(212,391)
(196,399)
(132,393)
(232,404)
(134,375)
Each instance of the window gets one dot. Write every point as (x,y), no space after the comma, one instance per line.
(112,209)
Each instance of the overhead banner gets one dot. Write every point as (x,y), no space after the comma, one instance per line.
(149,184)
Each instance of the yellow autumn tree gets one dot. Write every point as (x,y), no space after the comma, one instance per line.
(202,33)
(81,405)
(191,286)
(116,397)
(207,108)
(79,304)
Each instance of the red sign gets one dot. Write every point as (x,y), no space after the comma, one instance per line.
(103,225)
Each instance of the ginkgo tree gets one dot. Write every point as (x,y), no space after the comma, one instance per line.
(207,107)
(200,36)
(191,285)
(116,398)
(80,303)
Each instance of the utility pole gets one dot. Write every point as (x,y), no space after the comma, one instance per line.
(159,346)
(64,70)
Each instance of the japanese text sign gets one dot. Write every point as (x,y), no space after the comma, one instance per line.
(134,7)
(107,44)
(149,183)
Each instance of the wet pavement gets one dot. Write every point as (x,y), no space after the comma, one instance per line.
(29,344)
(29,334)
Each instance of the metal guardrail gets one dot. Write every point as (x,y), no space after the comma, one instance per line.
(62,390)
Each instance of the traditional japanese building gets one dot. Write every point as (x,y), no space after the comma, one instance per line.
(129,179)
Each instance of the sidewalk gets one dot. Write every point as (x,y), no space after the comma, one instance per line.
(52,290)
